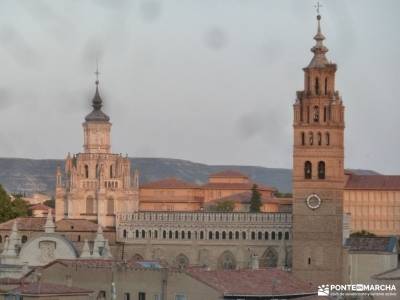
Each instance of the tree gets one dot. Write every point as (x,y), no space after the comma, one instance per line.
(50,203)
(255,201)
(6,212)
(224,206)
(12,209)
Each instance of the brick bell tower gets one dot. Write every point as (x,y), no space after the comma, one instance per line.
(318,172)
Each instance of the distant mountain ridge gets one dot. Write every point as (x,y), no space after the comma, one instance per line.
(38,175)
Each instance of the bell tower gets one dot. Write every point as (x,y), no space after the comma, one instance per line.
(318,172)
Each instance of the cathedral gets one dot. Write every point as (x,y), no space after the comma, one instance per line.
(103,211)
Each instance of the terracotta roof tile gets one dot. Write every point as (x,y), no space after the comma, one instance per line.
(229,173)
(373,182)
(252,282)
(236,186)
(170,183)
(40,207)
(37,224)
(372,244)
(44,288)
(245,198)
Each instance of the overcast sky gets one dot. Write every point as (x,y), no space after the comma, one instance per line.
(208,81)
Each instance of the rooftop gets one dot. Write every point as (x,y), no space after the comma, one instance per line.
(44,288)
(169,183)
(373,182)
(372,244)
(261,282)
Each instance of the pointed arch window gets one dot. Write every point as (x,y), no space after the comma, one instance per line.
(111,172)
(317,85)
(319,137)
(303,138)
(327,138)
(307,170)
(311,138)
(326,85)
(321,170)
(316,114)
(325,113)
(86,171)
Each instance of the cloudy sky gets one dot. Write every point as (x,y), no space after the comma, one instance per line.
(208,81)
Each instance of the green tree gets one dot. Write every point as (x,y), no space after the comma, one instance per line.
(224,206)
(255,201)
(6,212)
(50,203)
(20,207)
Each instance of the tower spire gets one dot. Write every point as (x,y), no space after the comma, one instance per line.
(97,102)
(319,60)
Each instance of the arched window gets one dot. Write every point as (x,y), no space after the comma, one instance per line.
(259,235)
(321,170)
(266,237)
(182,235)
(280,235)
(210,235)
(201,235)
(176,234)
(316,114)
(181,261)
(90,205)
(327,138)
(124,233)
(1,239)
(230,235)
(269,259)
(111,172)
(286,235)
(217,235)
(143,234)
(310,138)
(164,234)
(303,138)
(110,206)
(253,235)
(79,238)
(189,235)
(326,85)
(97,171)
(227,261)
(325,113)
(317,85)
(243,235)
(86,171)
(170,234)
(236,235)
(308,83)
(155,234)
(273,235)
(137,233)
(319,138)
(307,170)
(223,235)
(24,239)
(308,114)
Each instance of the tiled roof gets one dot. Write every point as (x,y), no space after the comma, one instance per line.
(245,198)
(373,182)
(107,263)
(40,207)
(229,173)
(371,244)
(236,186)
(170,183)
(37,224)
(44,288)
(25,224)
(261,282)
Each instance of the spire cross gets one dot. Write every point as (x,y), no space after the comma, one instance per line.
(97,72)
(318,6)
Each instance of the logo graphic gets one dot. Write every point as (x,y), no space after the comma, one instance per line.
(323,290)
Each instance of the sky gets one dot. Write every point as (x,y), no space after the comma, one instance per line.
(210,81)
